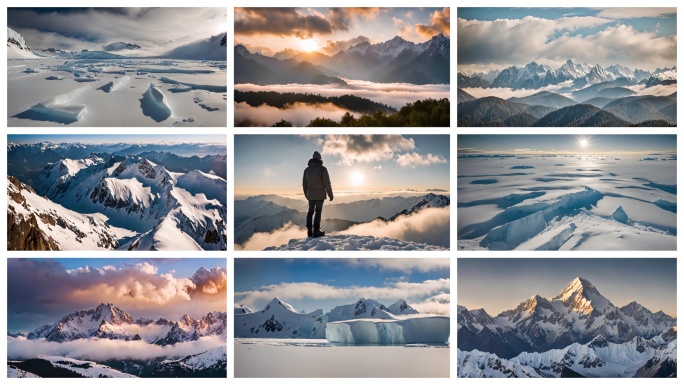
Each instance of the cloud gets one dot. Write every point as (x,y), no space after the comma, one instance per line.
(209,282)
(281,22)
(138,287)
(378,167)
(395,95)
(342,18)
(105,349)
(439,304)
(352,149)
(332,47)
(299,114)
(428,226)
(656,90)
(397,22)
(415,159)
(406,265)
(507,93)
(439,23)
(410,291)
(261,240)
(635,12)
(156,30)
(549,42)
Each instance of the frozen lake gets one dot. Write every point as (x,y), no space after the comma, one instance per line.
(116,92)
(567,202)
(318,358)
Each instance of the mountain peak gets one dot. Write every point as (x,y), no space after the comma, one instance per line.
(582,296)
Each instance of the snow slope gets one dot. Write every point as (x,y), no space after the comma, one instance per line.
(598,358)
(206,49)
(353,243)
(17,47)
(279,319)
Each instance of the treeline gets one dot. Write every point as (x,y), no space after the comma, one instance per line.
(422,113)
(282,100)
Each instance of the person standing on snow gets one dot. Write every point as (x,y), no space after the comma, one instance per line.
(316,184)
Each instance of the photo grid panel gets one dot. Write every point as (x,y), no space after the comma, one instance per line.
(602,181)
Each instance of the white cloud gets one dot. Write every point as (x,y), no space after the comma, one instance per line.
(406,265)
(415,159)
(105,349)
(635,12)
(352,149)
(547,41)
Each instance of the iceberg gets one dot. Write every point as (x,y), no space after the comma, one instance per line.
(431,329)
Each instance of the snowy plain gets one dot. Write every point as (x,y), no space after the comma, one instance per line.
(319,358)
(116,92)
(564,202)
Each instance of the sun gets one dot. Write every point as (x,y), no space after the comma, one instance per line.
(308,45)
(583,142)
(356,178)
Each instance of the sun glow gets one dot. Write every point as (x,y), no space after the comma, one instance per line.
(356,178)
(308,45)
(583,142)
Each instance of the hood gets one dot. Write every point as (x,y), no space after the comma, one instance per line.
(315,163)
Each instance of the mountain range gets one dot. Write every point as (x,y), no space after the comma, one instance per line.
(365,321)
(393,61)
(204,49)
(266,213)
(107,321)
(112,201)
(573,95)
(578,332)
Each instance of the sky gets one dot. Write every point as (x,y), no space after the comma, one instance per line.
(310,284)
(568,144)
(42,291)
(107,139)
(501,284)
(496,38)
(329,30)
(268,164)
(156,30)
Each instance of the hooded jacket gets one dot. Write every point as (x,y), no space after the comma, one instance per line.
(316,181)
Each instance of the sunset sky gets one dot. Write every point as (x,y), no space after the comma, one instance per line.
(42,291)
(496,38)
(501,284)
(266,164)
(310,284)
(329,30)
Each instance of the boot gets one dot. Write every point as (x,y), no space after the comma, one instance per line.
(317,232)
(309,231)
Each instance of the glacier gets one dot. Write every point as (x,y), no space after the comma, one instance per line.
(430,329)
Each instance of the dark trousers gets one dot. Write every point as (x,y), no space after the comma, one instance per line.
(317,206)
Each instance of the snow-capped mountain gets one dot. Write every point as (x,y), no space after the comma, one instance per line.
(211,363)
(401,307)
(168,210)
(279,319)
(120,46)
(212,48)
(17,47)
(577,315)
(394,60)
(582,75)
(107,321)
(364,308)
(637,357)
(36,223)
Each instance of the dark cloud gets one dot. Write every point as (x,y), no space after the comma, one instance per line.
(295,22)
(439,23)
(279,22)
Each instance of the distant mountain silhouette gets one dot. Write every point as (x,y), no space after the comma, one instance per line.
(581,115)
(545,98)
